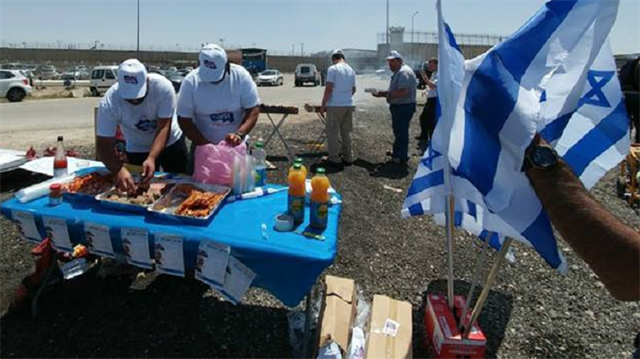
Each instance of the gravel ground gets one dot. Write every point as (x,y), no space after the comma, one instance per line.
(532,311)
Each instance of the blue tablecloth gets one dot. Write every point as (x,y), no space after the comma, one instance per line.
(286,264)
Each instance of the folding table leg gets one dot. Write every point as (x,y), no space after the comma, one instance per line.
(308,318)
(276,130)
(323,135)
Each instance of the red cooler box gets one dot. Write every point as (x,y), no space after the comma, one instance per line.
(443,338)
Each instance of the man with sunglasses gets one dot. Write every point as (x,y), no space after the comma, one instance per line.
(217,101)
(143,105)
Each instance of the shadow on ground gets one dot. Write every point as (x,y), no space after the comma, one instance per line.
(493,319)
(172,317)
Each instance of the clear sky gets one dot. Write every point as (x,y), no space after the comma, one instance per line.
(272,24)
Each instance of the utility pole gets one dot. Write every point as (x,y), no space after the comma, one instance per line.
(413,44)
(293,49)
(388,41)
(138,34)
(301,49)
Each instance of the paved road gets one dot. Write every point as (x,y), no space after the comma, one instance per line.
(78,113)
(47,114)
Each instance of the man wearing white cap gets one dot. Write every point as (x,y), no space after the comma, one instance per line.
(338,103)
(218,100)
(401,97)
(143,105)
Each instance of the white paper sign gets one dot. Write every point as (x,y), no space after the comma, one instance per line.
(135,244)
(169,254)
(98,239)
(238,279)
(26,223)
(44,165)
(58,232)
(211,263)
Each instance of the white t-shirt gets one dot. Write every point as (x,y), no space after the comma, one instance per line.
(139,122)
(217,109)
(433,92)
(344,80)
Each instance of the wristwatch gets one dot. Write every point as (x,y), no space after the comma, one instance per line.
(540,157)
(240,134)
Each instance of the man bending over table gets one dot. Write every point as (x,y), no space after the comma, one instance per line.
(143,105)
(217,101)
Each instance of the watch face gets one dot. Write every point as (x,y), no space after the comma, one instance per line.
(543,157)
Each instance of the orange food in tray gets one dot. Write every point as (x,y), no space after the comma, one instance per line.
(91,184)
(199,204)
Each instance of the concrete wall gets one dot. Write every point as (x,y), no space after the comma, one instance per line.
(64,58)
(420,52)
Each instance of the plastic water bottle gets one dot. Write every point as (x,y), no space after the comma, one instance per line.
(260,160)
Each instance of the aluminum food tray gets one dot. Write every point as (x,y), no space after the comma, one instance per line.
(167,204)
(126,207)
(85,197)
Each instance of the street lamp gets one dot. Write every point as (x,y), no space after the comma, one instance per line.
(388,41)
(138,36)
(413,45)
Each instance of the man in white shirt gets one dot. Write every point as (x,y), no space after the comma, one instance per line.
(218,100)
(143,105)
(338,103)
(428,116)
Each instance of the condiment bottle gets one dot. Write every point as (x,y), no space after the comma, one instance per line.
(55,194)
(60,160)
(319,199)
(296,194)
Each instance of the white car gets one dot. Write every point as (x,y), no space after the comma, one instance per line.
(13,85)
(102,77)
(270,77)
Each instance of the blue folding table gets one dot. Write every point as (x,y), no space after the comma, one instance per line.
(286,264)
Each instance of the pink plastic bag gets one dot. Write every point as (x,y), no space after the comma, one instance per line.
(214,163)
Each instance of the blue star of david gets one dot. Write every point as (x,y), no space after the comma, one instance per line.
(431,155)
(597,81)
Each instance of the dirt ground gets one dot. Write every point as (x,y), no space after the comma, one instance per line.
(532,312)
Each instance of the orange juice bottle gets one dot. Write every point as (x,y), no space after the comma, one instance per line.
(298,160)
(297,193)
(319,199)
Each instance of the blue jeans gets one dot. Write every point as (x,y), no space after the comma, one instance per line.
(400,119)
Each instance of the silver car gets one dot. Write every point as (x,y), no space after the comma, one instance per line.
(270,77)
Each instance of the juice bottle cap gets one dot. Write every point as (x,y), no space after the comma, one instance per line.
(320,171)
(55,187)
(297,166)
(298,160)
(259,144)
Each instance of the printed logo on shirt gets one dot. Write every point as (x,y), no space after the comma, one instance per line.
(145,125)
(210,64)
(132,80)
(222,117)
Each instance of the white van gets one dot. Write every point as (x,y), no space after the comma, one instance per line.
(102,77)
(307,73)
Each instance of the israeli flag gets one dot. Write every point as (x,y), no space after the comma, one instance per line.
(540,78)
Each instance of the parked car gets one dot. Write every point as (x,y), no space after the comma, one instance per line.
(14,85)
(47,72)
(102,77)
(176,79)
(307,73)
(270,77)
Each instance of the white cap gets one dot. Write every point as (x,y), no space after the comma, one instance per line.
(132,79)
(337,52)
(213,60)
(394,55)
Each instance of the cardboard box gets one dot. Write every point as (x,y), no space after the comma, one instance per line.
(338,312)
(443,338)
(390,329)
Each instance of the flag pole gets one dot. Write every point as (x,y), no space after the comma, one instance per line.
(476,278)
(487,287)
(449,232)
